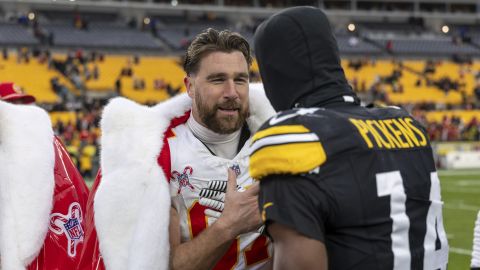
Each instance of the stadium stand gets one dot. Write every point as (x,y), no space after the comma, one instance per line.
(31,75)
(98,53)
(13,34)
(426,46)
(178,31)
(354,45)
(466,116)
(98,36)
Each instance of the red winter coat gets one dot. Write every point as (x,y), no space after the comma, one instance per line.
(66,234)
(42,223)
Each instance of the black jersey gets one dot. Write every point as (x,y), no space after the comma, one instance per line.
(362,181)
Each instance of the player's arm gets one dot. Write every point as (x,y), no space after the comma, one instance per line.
(295,209)
(200,253)
(286,159)
(240,215)
(296,251)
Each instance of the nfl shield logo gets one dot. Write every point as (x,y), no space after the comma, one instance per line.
(236,169)
(74,229)
(70,225)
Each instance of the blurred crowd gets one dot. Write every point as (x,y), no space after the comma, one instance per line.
(450,128)
(81,136)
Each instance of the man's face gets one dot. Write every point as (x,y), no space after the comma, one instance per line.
(219,91)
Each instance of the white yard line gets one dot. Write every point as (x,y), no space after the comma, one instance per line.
(464,183)
(461,206)
(458,172)
(461,190)
(461,251)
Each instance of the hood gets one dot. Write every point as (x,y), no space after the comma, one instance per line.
(299,60)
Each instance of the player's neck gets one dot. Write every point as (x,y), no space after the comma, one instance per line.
(208,136)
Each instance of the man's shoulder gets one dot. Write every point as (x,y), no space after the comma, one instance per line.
(175,123)
(290,117)
(286,145)
(308,117)
(296,123)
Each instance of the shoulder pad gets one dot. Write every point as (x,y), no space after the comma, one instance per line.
(285,149)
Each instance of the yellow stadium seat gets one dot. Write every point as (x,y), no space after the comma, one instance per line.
(465,115)
(33,78)
(65,117)
(412,71)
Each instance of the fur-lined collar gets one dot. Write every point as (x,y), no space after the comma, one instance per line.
(27,182)
(132,203)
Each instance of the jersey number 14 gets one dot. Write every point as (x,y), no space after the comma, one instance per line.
(391,184)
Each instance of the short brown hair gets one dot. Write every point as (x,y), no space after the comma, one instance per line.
(212,40)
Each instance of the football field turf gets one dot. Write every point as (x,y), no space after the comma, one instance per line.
(461,195)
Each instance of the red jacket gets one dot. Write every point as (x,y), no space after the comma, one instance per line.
(66,235)
(44,213)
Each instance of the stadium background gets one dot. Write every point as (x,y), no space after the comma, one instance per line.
(421,55)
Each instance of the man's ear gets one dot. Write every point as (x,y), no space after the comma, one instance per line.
(188,81)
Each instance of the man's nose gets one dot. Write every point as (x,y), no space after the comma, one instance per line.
(230,89)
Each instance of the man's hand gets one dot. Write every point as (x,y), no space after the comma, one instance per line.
(241,213)
(213,197)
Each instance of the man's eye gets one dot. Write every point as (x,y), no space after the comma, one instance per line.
(217,80)
(240,81)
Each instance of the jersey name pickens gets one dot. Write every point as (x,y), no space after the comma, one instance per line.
(192,167)
(396,133)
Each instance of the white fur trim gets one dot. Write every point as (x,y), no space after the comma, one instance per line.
(27,183)
(132,203)
(260,108)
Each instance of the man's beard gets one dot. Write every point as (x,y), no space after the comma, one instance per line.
(221,124)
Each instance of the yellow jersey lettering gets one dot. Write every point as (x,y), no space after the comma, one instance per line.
(363,130)
(407,132)
(397,133)
(378,138)
(423,139)
(384,130)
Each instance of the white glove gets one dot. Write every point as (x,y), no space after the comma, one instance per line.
(213,197)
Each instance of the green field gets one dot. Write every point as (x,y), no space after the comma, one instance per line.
(461,194)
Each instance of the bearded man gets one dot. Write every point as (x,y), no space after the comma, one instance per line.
(164,200)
